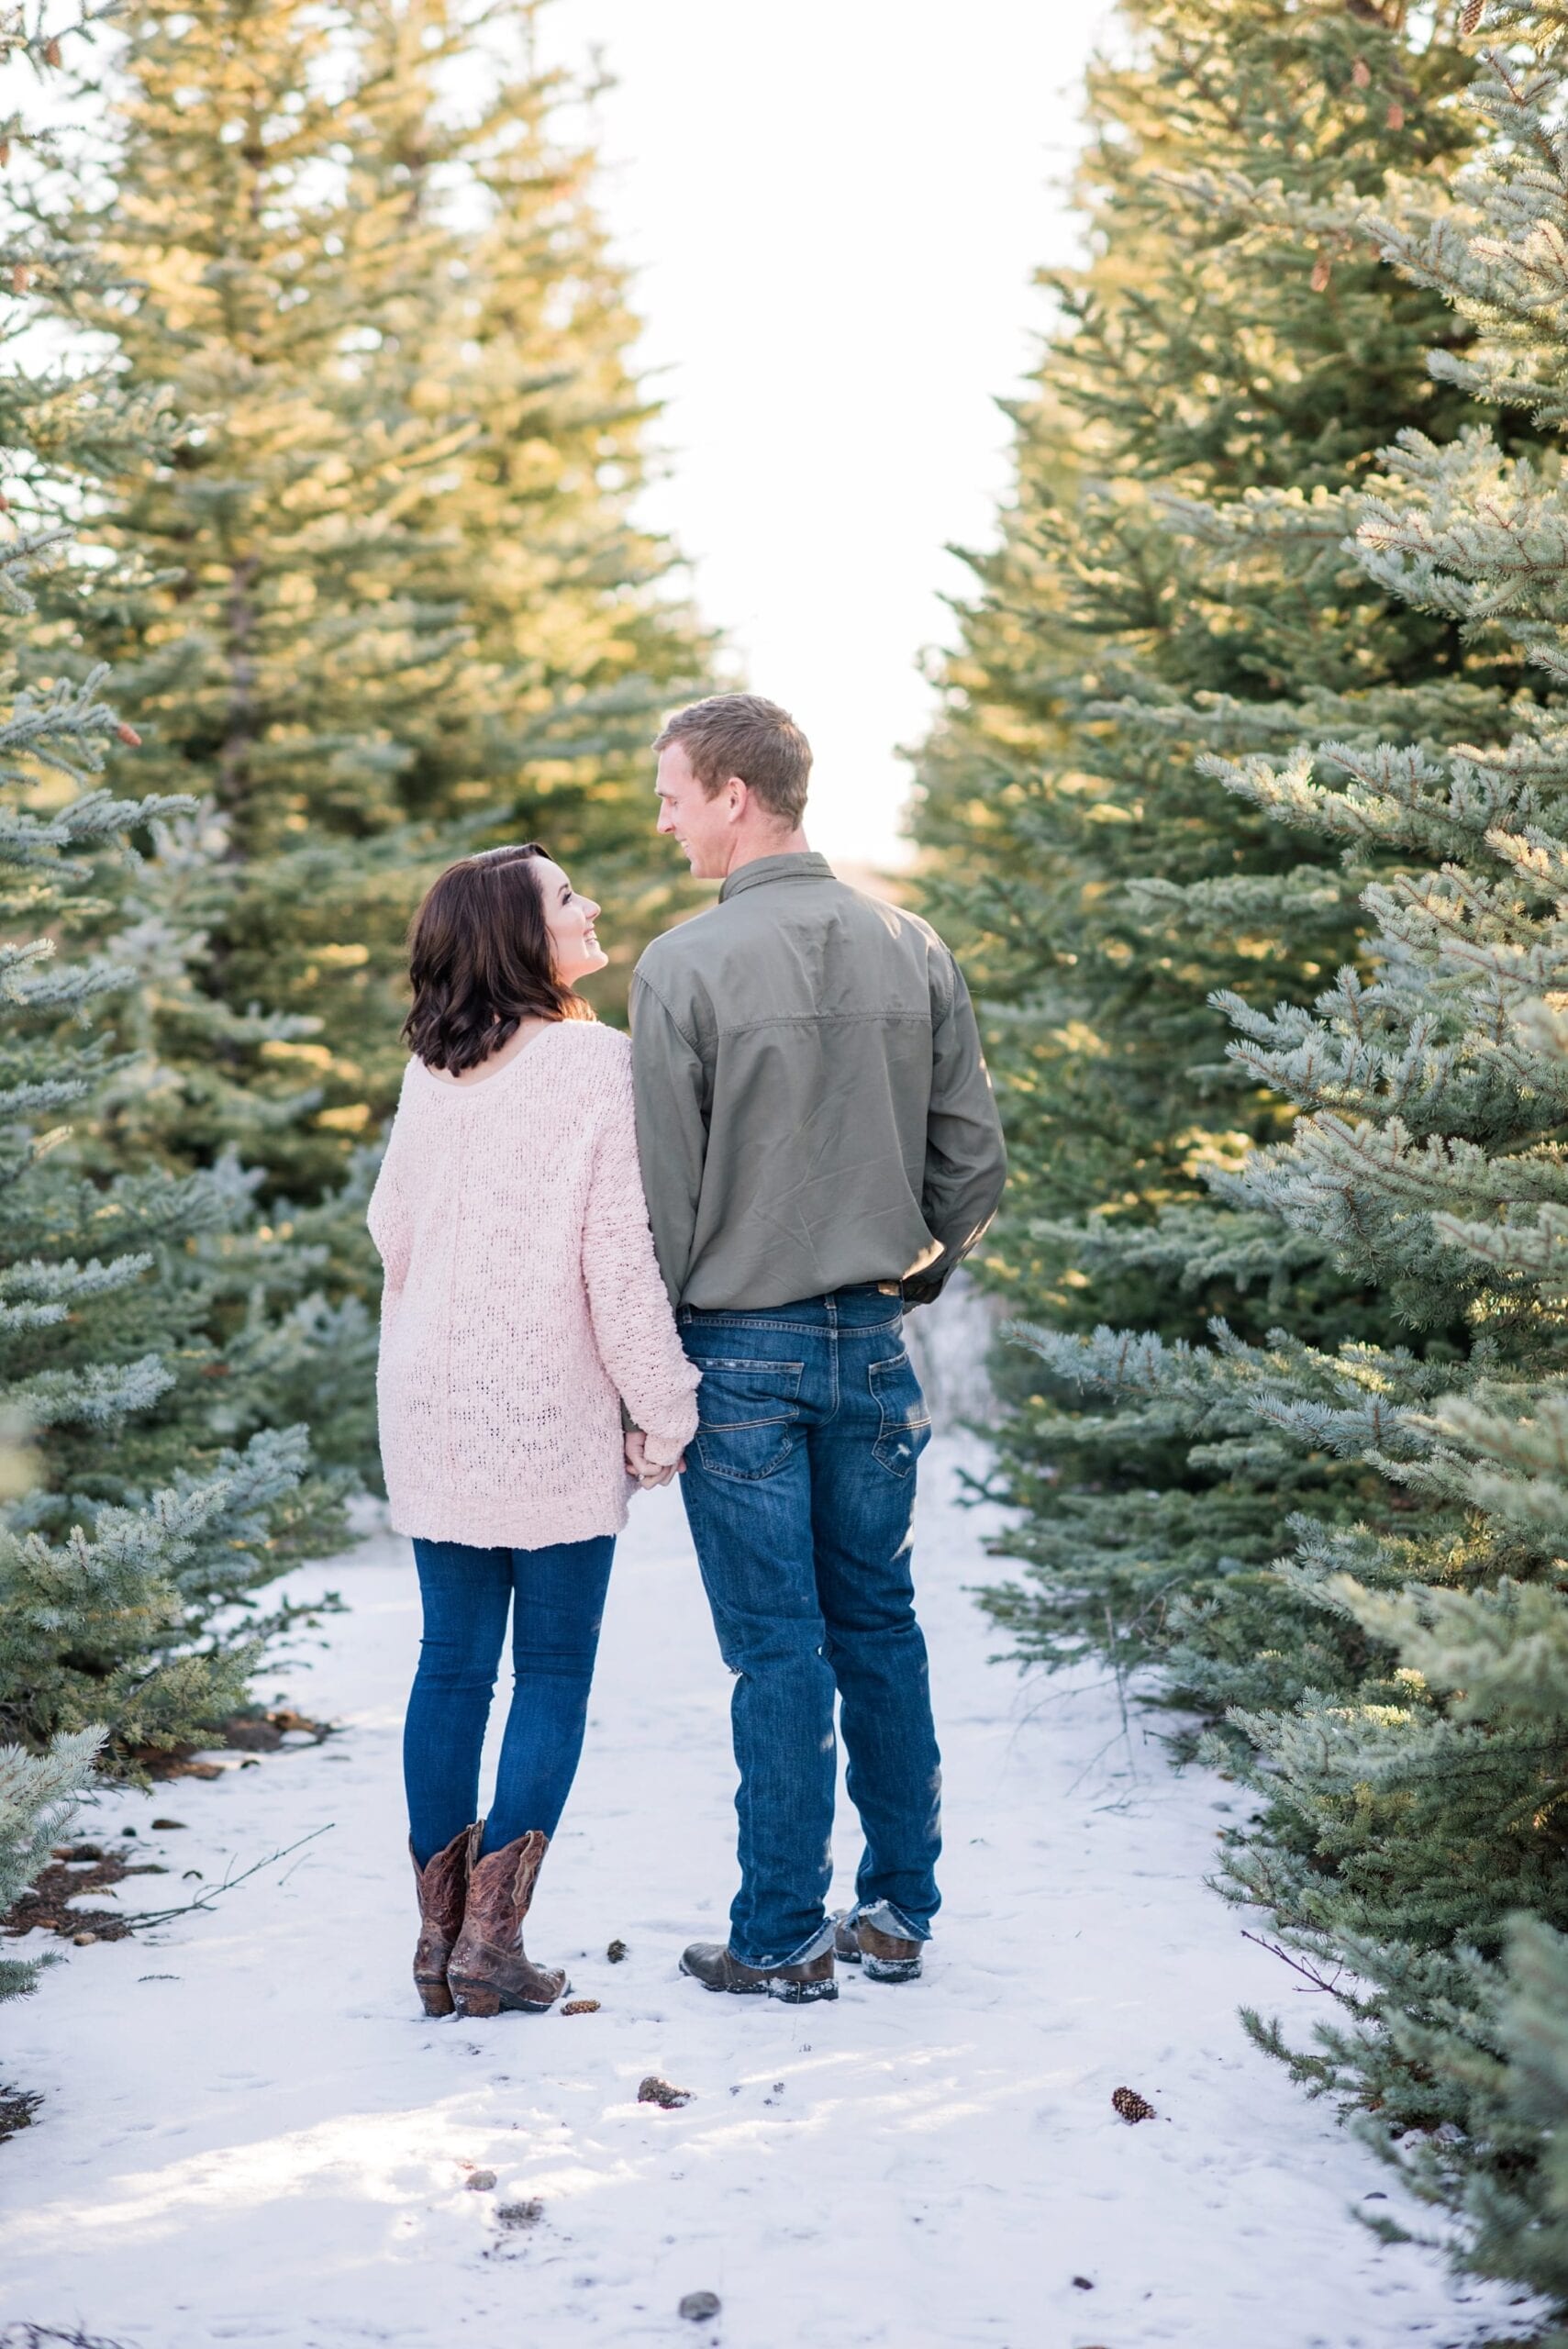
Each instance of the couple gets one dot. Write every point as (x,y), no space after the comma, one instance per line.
(608,1264)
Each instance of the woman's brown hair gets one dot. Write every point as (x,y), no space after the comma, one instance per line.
(480,960)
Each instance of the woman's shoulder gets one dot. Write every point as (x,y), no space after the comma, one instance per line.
(596,1047)
(594,1063)
(579,1050)
(411,1087)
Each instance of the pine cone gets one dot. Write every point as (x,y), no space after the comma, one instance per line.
(1131,2105)
(657,2091)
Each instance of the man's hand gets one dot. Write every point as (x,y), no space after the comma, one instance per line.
(639,1464)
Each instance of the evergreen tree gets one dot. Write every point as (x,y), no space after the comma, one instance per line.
(1147,604)
(38,1794)
(130,1523)
(576,643)
(389,603)
(1412,1749)
(263,619)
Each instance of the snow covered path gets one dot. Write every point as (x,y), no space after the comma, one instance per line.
(251,2135)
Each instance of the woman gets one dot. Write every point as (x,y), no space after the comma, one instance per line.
(522,1308)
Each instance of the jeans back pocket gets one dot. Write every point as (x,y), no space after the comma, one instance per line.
(747,1414)
(905,1420)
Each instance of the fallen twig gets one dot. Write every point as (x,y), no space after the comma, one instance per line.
(205,1899)
(49,2336)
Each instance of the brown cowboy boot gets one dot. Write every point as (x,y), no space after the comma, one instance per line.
(886,1957)
(489,1971)
(717,1967)
(443,1886)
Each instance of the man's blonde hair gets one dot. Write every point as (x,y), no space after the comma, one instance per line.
(741,734)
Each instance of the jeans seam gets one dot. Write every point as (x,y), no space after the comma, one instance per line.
(713,1319)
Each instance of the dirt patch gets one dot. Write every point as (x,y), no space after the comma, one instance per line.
(256,1732)
(18,2107)
(515,2216)
(75,1869)
(176,1765)
(265,1732)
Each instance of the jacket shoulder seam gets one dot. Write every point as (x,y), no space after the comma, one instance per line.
(643,980)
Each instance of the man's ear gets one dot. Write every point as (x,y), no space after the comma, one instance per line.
(739,797)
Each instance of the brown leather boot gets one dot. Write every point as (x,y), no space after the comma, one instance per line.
(443,1886)
(717,1967)
(489,1970)
(882,1957)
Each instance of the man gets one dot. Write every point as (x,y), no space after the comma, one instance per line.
(820,1147)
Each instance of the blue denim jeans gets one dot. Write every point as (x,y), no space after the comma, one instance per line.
(556,1597)
(799,1488)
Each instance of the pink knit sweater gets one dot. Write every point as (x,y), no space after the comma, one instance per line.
(521,1299)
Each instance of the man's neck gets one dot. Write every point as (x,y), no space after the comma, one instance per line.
(749,848)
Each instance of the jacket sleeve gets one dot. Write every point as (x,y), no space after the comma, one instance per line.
(633,1325)
(390,1217)
(672,1131)
(966,1162)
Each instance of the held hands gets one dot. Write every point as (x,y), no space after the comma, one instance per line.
(639,1464)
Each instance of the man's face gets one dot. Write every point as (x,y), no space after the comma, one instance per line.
(704,827)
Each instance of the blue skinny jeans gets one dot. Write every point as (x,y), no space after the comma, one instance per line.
(556,1597)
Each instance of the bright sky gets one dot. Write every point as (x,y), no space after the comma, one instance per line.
(834,208)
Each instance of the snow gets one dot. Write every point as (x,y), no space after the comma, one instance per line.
(252,2134)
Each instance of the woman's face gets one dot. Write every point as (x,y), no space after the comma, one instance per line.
(570,919)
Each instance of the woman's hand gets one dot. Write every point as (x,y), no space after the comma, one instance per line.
(639,1464)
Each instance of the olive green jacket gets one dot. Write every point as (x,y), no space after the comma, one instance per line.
(813,1109)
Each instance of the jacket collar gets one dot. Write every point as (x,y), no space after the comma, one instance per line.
(800,864)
